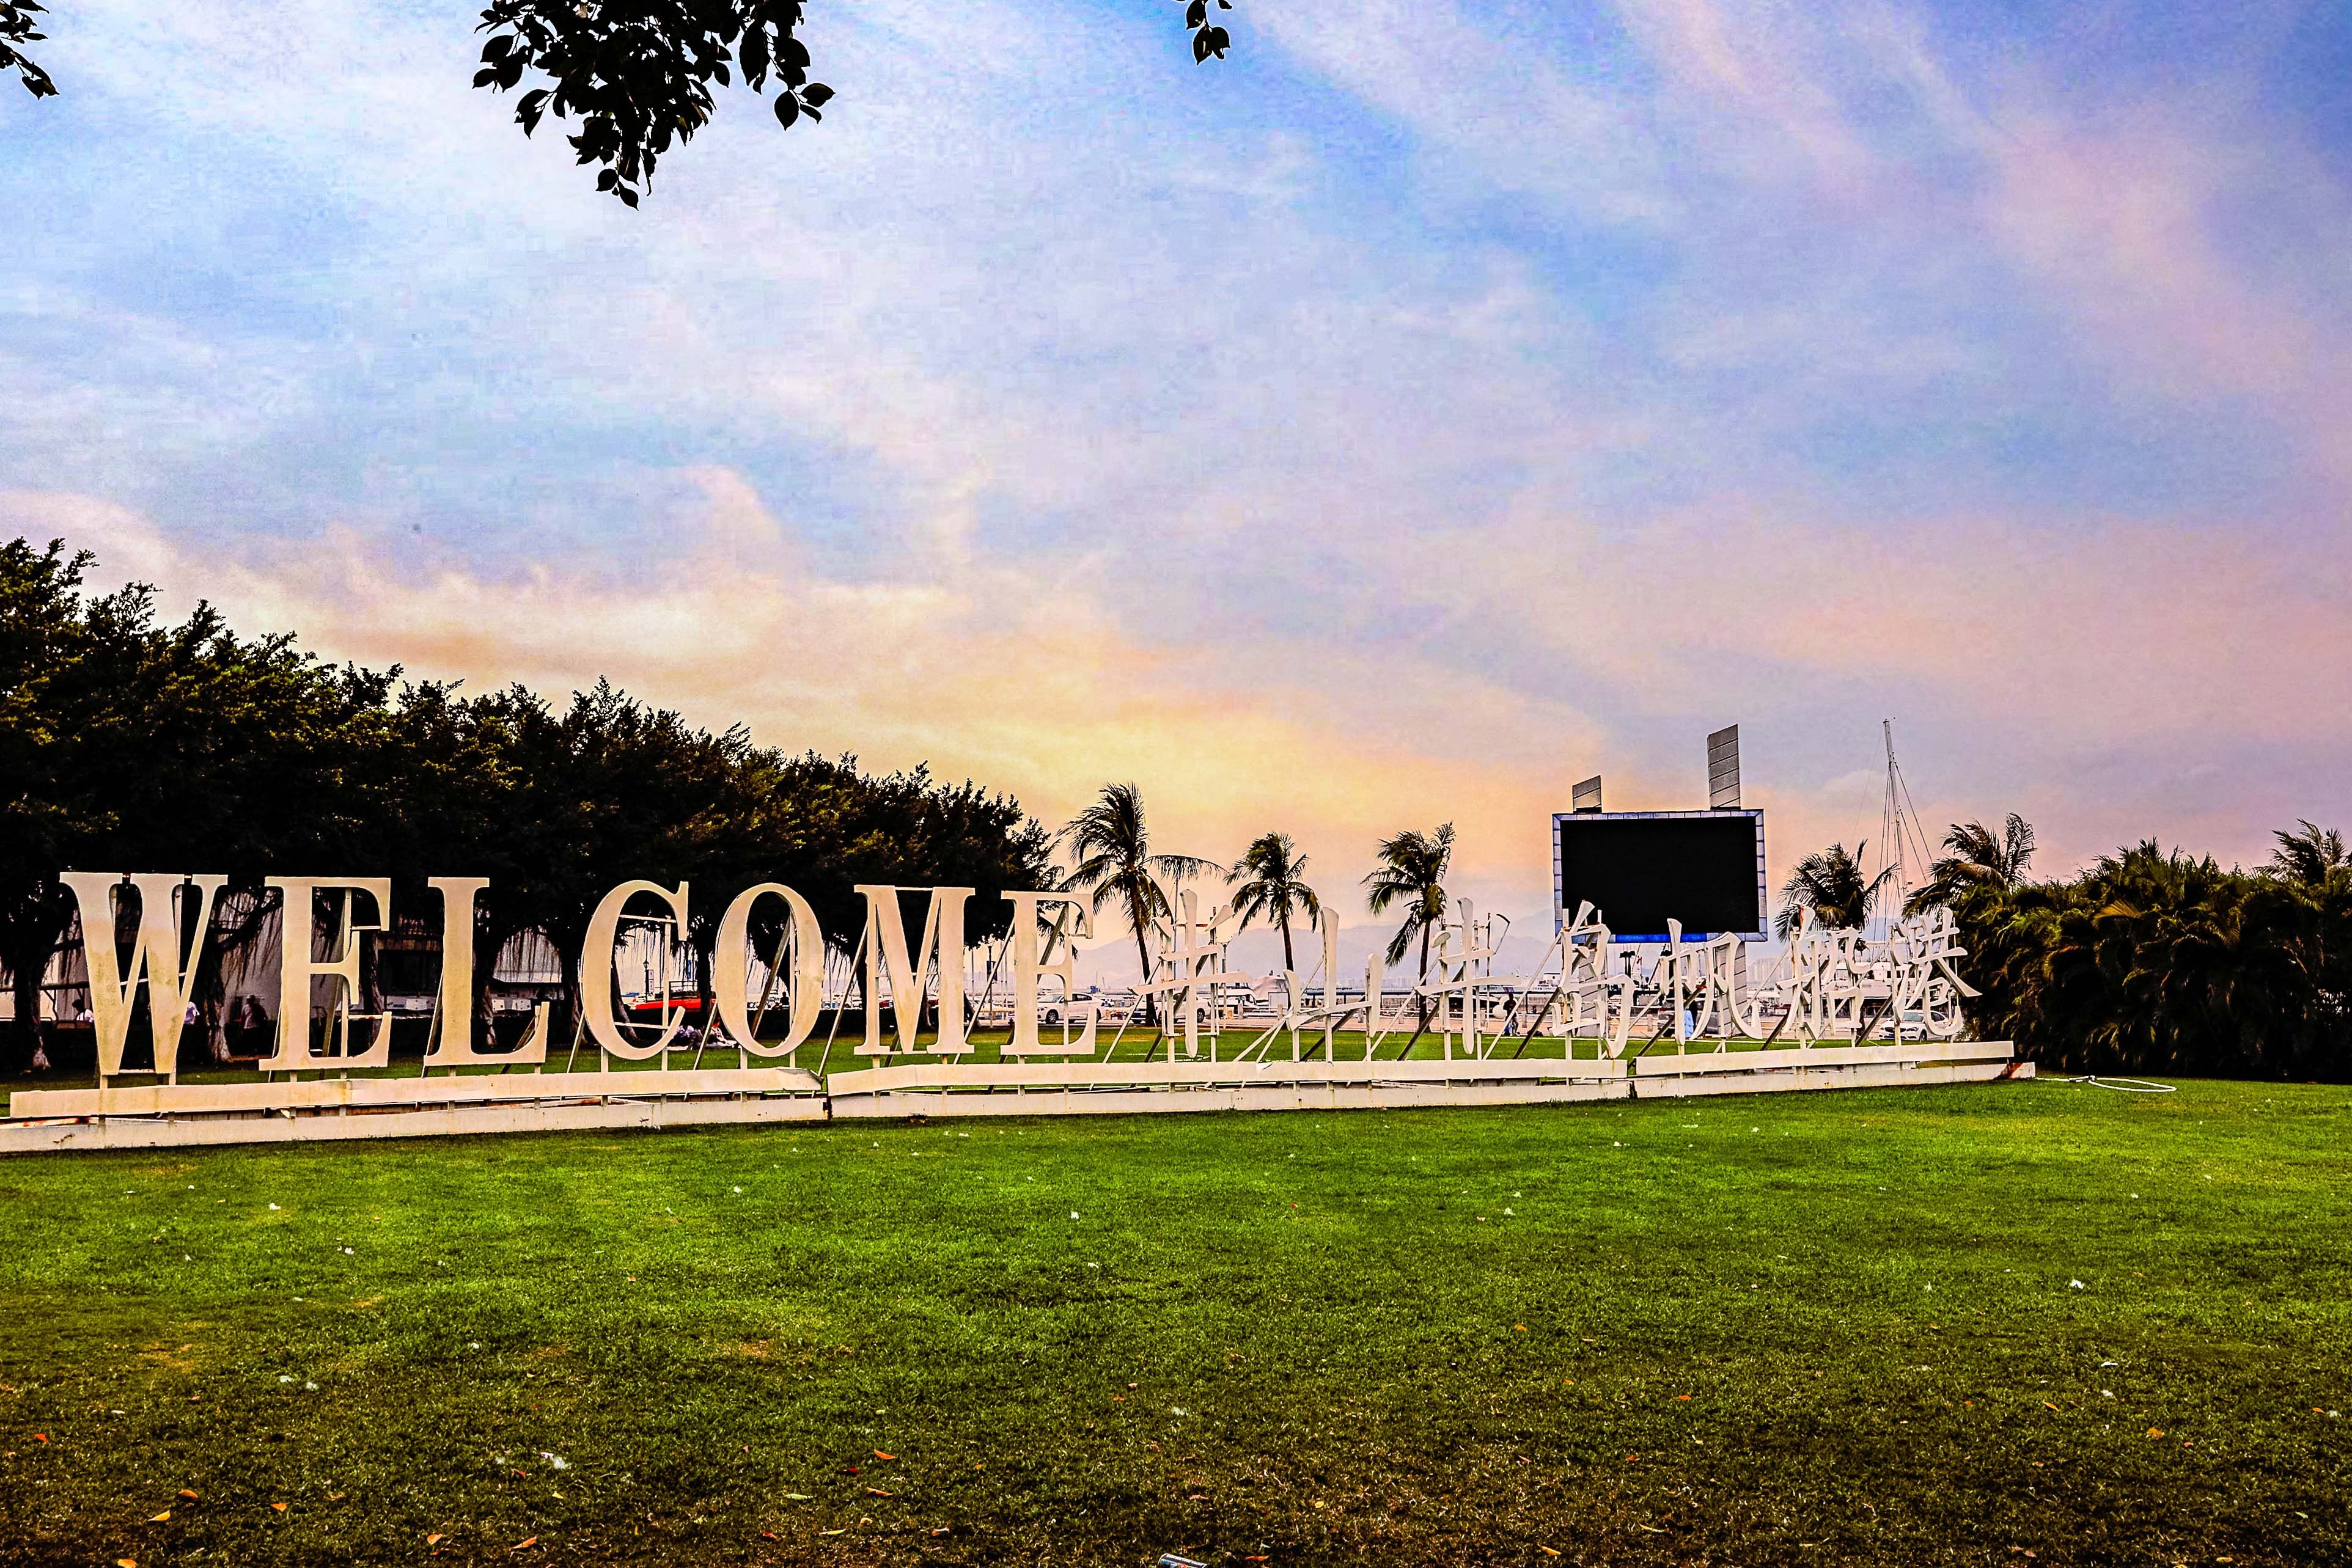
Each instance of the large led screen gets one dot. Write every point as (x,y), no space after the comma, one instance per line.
(1640,869)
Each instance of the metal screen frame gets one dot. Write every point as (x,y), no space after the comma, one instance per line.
(1755,813)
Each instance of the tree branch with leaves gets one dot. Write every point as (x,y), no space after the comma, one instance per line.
(1111,844)
(1412,872)
(1271,878)
(17,26)
(634,75)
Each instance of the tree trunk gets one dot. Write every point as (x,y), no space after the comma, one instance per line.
(706,954)
(570,943)
(30,943)
(1424,980)
(489,941)
(1143,959)
(1282,919)
(25,1037)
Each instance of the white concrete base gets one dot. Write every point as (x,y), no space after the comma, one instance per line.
(1107,1088)
(187,1116)
(159,1116)
(1836,1067)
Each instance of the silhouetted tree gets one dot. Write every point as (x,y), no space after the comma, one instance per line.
(1111,847)
(636,74)
(2161,962)
(17,26)
(1272,875)
(1831,884)
(2310,857)
(127,745)
(1412,872)
(1975,857)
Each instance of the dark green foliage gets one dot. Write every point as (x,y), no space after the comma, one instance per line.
(639,73)
(16,26)
(129,745)
(1271,880)
(125,745)
(1975,856)
(1208,39)
(1412,870)
(2156,961)
(636,74)
(1110,849)
(1831,884)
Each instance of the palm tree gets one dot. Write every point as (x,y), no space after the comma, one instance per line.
(2311,857)
(1113,849)
(1975,859)
(1412,870)
(1272,874)
(1832,885)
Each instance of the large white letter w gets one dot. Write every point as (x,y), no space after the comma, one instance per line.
(157,955)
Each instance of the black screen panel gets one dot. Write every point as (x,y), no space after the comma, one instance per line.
(1640,869)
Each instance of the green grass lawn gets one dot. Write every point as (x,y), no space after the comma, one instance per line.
(1841,1327)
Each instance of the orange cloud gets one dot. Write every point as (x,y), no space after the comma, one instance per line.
(973,674)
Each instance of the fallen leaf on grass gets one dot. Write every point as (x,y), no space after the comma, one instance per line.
(526,1541)
(126,1562)
(876,1491)
(767,1535)
(278,1507)
(335,1497)
(1682,1396)
(796,1497)
(942,1529)
(159,1518)
(1549,1550)
(880,1455)
(40,1436)
(433,1540)
(843,1532)
(187,1493)
(2156,1431)
(2047,1406)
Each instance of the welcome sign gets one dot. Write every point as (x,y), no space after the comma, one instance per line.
(174,914)
(1707,1026)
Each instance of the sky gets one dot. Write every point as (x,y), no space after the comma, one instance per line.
(1429,406)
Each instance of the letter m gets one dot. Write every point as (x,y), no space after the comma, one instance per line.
(941,952)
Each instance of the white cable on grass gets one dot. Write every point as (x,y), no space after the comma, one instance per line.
(2122,1085)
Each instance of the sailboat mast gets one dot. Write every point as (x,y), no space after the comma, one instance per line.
(1894,816)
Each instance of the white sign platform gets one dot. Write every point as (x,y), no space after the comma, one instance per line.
(182,1116)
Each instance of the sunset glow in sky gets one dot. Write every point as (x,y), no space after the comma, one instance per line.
(1431,405)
